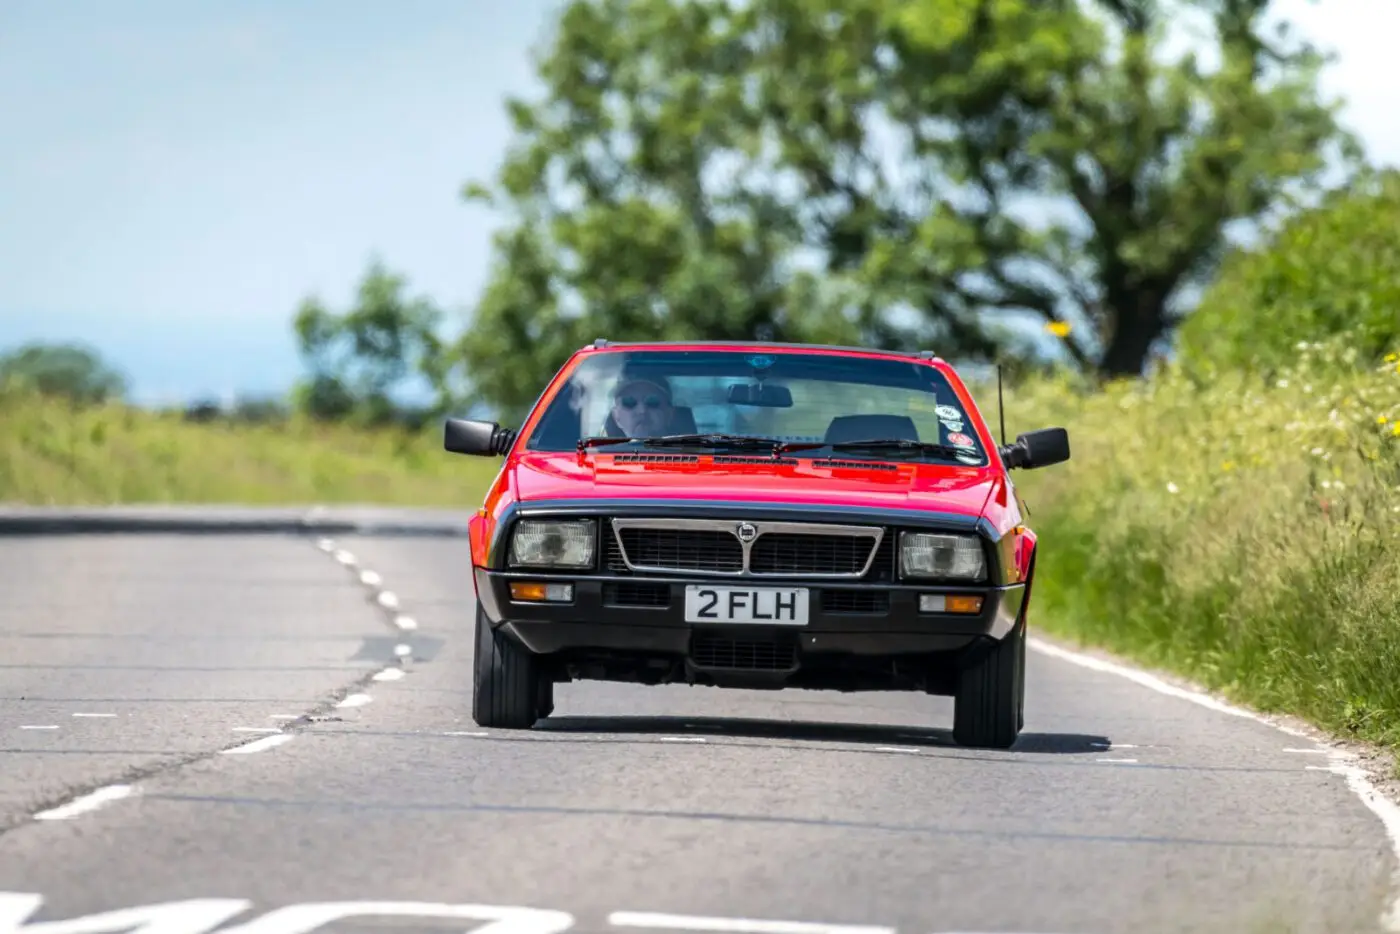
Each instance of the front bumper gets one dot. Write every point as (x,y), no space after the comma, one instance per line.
(878,620)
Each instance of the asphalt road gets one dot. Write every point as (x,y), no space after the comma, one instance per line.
(141,668)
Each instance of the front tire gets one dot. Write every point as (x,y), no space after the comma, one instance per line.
(507,691)
(990,697)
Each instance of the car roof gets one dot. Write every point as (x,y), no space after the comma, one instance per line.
(604,344)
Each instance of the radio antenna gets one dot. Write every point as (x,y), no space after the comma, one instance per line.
(1001,406)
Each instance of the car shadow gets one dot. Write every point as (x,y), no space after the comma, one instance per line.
(813,731)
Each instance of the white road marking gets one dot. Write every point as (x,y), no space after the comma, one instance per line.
(355,700)
(907,749)
(1307,752)
(94,715)
(405,622)
(387,600)
(643,919)
(282,716)
(325,544)
(466,733)
(36,726)
(370,579)
(195,916)
(1387,811)
(302,919)
(1115,760)
(402,649)
(256,729)
(683,739)
(1114,746)
(259,745)
(388,674)
(84,804)
(345,557)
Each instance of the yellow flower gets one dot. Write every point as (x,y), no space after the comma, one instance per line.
(1392,357)
(1058,328)
(1381,419)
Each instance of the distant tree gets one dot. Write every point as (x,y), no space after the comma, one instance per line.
(357,359)
(1327,271)
(805,169)
(68,370)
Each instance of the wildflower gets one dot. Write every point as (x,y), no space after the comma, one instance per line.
(1058,328)
(1381,420)
(1173,488)
(1392,357)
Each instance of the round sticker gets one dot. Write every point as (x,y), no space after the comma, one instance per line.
(959,440)
(952,426)
(948,412)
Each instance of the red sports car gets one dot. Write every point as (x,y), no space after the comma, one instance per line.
(754,515)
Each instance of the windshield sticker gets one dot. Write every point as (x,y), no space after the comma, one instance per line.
(959,440)
(952,426)
(948,412)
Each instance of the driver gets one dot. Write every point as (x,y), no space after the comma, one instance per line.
(641,407)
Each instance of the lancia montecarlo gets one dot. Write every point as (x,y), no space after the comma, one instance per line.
(756,516)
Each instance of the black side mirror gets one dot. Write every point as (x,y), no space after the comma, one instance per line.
(467,436)
(1037,449)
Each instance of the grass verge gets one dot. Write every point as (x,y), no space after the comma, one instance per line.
(51,454)
(1243,534)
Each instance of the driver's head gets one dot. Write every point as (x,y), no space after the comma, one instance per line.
(642,406)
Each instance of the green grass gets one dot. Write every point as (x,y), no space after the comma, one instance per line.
(51,454)
(1246,535)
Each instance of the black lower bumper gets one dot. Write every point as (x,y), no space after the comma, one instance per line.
(625,614)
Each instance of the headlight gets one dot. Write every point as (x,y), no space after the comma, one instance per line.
(945,556)
(543,544)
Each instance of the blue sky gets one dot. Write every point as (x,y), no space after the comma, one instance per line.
(175,177)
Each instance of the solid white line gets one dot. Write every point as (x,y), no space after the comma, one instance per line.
(682,739)
(908,749)
(86,803)
(466,733)
(256,729)
(388,674)
(355,700)
(1115,760)
(282,716)
(259,745)
(46,726)
(643,919)
(94,715)
(1357,780)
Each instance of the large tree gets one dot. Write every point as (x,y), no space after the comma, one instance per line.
(897,172)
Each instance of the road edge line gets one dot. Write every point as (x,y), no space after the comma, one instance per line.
(1357,778)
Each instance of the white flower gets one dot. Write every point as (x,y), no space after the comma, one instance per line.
(1173,488)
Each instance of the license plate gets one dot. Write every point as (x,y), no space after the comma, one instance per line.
(783,606)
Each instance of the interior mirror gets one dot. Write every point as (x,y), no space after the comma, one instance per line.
(468,436)
(773,397)
(1034,449)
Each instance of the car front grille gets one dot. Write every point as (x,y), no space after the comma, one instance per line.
(714,548)
(722,652)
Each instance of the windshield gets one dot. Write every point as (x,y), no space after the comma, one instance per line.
(788,397)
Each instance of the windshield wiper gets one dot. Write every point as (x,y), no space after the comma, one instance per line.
(711,440)
(878,444)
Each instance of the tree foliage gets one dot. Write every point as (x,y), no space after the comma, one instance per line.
(359,358)
(1325,272)
(72,371)
(872,170)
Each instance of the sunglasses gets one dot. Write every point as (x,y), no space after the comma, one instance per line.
(651,402)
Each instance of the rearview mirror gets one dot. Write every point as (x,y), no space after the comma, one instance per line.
(467,436)
(1037,449)
(772,397)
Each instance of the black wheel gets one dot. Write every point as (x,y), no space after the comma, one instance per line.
(506,693)
(988,703)
(544,704)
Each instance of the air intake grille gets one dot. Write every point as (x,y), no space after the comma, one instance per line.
(708,651)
